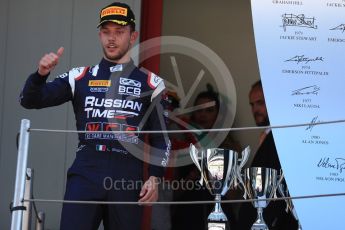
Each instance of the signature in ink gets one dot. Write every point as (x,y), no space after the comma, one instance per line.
(314,89)
(341,27)
(313,123)
(338,164)
(305,60)
(298,21)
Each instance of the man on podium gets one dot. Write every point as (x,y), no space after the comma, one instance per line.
(113,95)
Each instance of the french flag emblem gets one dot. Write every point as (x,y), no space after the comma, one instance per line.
(101,148)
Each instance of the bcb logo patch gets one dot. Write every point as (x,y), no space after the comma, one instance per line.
(129,87)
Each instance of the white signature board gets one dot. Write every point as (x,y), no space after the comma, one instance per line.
(301,54)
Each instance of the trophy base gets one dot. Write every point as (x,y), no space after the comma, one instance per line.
(259,227)
(217,219)
(218,226)
(259,224)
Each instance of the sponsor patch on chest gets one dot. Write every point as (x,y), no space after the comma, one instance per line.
(100,83)
(129,87)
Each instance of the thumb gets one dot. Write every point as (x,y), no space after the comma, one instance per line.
(143,190)
(60,51)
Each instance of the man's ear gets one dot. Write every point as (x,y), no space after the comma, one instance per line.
(134,36)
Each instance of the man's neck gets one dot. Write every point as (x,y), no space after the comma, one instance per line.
(125,59)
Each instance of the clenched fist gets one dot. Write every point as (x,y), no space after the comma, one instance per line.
(49,61)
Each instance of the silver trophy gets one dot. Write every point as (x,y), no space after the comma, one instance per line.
(284,192)
(219,169)
(260,183)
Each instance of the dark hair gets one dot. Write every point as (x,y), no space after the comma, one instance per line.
(132,27)
(257,84)
(209,94)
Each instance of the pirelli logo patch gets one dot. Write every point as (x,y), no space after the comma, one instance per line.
(114,10)
(100,83)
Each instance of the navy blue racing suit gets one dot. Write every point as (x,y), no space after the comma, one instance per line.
(108,166)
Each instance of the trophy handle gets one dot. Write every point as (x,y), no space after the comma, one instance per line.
(230,173)
(280,185)
(242,161)
(193,152)
(245,195)
(278,181)
(280,188)
(284,192)
(245,156)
